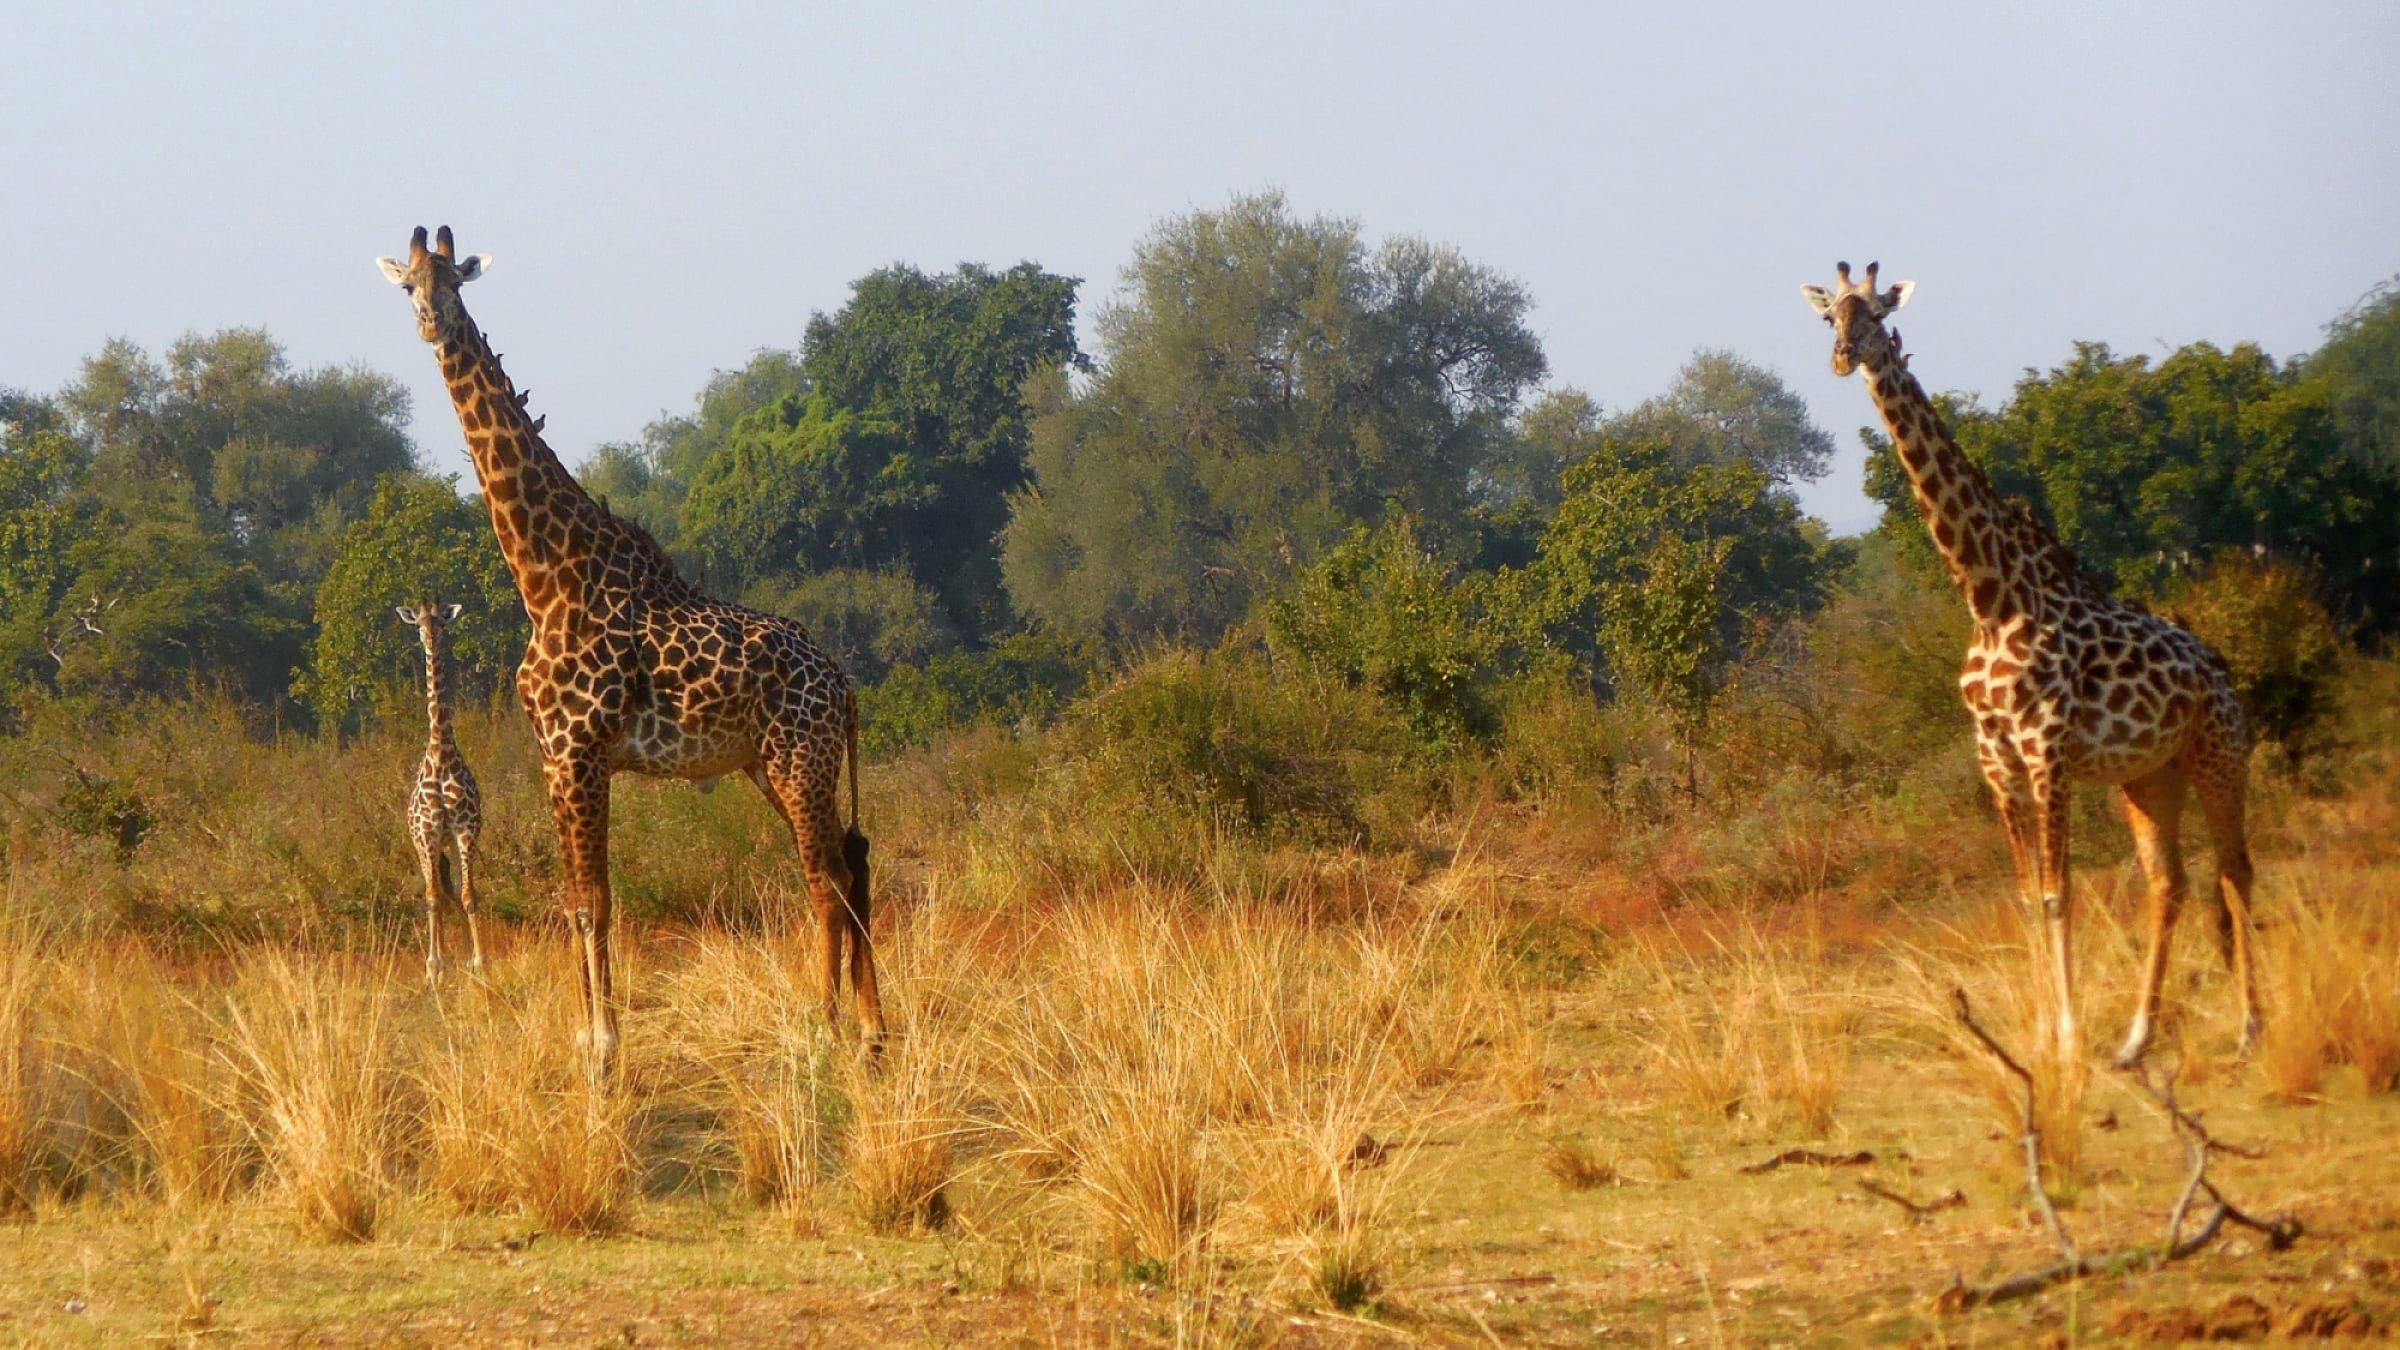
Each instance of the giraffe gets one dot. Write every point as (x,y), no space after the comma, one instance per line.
(445,808)
(2065,681)
(632,668)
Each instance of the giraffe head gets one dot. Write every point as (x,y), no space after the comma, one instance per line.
(1856,312)
(432,622)
(432,276)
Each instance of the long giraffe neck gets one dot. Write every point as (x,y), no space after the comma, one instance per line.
(438,735)
(1968,518)
(544,519)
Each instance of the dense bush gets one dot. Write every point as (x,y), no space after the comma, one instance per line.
(1023,680)
(2265,618)
(1381,613)
(1219,738)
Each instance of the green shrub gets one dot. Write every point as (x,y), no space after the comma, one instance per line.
(1380,613)
(1219,738)
(1025,678)
(99,807)
(2263,616)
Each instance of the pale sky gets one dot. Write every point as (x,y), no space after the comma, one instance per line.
(667,189)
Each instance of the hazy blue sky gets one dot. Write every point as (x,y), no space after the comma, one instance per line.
(666,190)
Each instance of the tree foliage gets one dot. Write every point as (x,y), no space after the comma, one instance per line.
(2148,470)
(419,543)
(1380,612)
(1268,381)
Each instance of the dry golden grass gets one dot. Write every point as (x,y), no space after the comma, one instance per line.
(1576,1166)
(156,1056)
(2331,984)
(25,1075)
(311,1042)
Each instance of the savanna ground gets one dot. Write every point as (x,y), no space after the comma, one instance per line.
(1154,1080)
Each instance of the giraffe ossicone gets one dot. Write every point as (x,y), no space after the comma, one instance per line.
(2065,682)
(632,669)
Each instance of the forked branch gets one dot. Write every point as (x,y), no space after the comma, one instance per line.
(2199,1146)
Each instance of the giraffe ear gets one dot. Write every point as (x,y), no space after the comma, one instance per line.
(471,266)
(1898,295)
(406,614)
(450,615)
(394,271)
(1818,298)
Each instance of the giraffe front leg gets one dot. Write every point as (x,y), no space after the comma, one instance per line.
(465,843)
(431,862)
(2051,799)
(579,800)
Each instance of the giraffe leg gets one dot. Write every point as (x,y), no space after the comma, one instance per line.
(2154,810)
(430,860)
(2221,801)
(835,892)
(2051,799)
(579,799)
(465,842)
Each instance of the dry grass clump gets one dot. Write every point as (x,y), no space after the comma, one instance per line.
(1576,1166)
(1998,978)
(511,1118)
(155,1054)
(311,1039)
(26,1080)
(1752,1030)
(2331,986)
(1207,1080)
(747,1012)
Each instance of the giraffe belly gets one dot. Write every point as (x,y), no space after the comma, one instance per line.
(657,744)
(2114,750)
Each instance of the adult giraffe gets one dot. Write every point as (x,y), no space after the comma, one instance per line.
(2065,681)
(632,668)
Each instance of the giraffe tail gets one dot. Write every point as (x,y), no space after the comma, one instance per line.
(854,840)
(441,866)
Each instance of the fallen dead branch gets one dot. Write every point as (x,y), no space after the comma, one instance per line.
(2281,1231)
(1809,1157)
(1918,1210)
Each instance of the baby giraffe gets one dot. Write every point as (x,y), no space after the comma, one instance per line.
(444,807)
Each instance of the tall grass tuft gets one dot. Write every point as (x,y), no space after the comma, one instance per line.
(26,1081)
(312,1041)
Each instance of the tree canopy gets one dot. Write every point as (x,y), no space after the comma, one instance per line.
(1266,381)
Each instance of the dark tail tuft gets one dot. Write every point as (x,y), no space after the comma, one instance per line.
(854,856)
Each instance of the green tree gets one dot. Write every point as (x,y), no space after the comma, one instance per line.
(870,621)
(418,542)
(945,359)
(1634,514)
(184,609)
(1268,382)
(1722,409)
(646,480)
(799,488)
(44,518)
(2147,470)
(2360,363)
(1382,613)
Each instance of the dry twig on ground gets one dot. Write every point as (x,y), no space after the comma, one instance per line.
(2281,1231)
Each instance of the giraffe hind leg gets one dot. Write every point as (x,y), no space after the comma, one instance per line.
(2221,802)
(836,892)
(2154,811)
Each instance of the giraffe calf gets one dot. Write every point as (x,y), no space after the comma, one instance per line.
(445,810)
